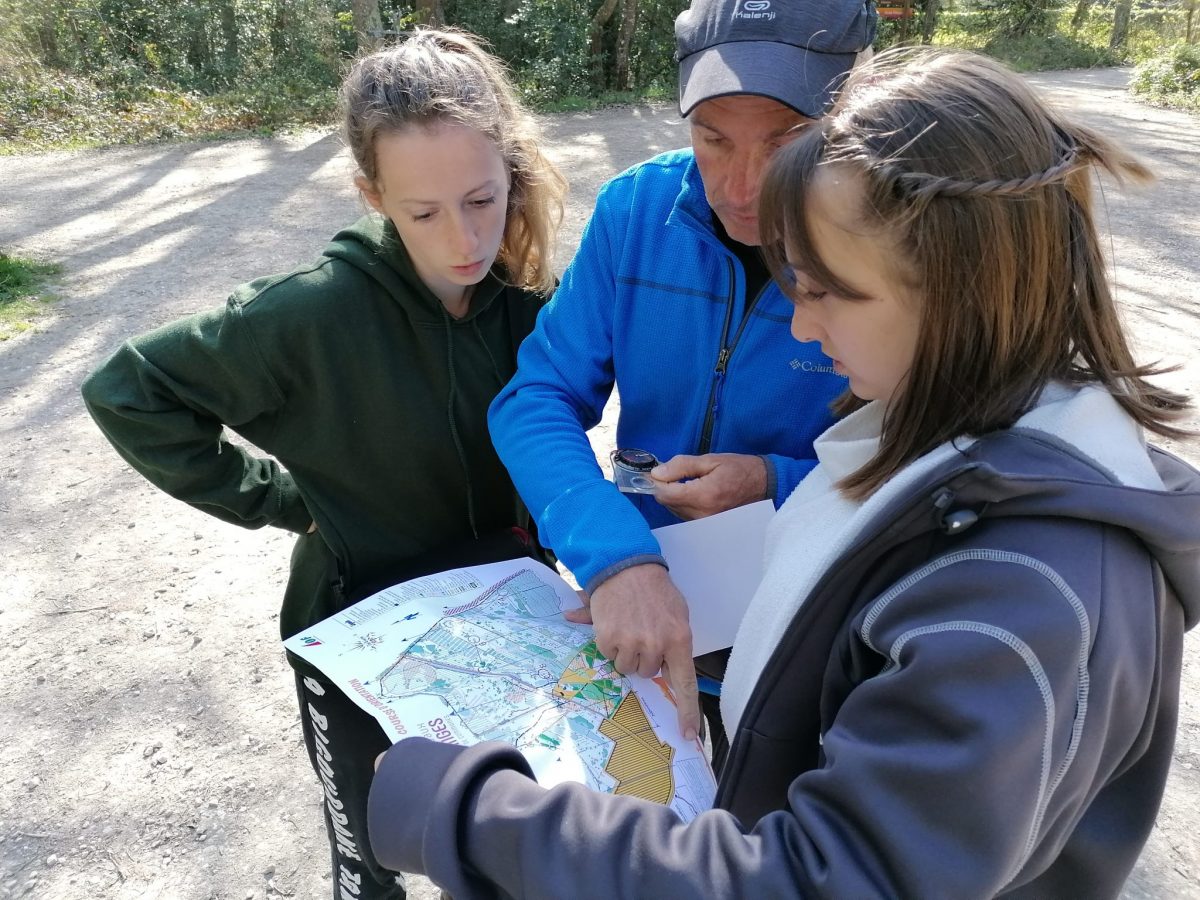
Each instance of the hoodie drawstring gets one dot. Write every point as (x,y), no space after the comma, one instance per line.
(453,394)
(500,380)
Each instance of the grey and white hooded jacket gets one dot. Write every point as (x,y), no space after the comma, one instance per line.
(977,697)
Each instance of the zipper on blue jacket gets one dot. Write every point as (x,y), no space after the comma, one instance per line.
(726,351)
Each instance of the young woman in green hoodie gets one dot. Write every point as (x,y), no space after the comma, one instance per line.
(366,378)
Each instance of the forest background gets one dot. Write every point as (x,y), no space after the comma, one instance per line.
(77,73)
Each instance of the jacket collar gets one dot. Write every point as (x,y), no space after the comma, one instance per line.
(1031,474)
(690,209)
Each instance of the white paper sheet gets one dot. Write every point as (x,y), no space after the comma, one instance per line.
(717,563)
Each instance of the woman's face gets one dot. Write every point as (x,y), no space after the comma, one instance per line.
(871,341)
(446,190)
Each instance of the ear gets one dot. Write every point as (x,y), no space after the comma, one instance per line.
(373,197)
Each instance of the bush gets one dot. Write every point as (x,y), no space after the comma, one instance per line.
(1058,49)
(1016,19)
(77,73)
(1031,53)
(92,72)
(547,43)
(42,109)
(1172,79)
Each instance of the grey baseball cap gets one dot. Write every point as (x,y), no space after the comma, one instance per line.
(793,51)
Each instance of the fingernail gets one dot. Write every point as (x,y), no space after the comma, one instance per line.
(689,734)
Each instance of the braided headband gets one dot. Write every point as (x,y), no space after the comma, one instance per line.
(920,184)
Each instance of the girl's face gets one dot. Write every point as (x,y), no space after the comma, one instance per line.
(446,190)
(871,341)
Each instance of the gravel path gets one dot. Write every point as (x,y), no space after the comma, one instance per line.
(150,746)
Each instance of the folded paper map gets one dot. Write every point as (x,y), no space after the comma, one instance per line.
(484,654)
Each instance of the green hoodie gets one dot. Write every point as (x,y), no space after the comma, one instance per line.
(370,399)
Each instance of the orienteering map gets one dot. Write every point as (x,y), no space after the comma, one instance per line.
(484,654)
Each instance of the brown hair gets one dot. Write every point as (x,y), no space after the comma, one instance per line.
(985,195)
(444,76)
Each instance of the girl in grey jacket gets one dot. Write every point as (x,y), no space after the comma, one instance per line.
(959,676)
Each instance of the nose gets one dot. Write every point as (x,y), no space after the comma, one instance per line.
(804,325)
(741,185)
(464,237)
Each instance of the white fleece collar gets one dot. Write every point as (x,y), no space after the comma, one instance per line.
(1091,421)
(817,524)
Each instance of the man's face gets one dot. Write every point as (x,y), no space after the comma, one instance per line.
(734,138)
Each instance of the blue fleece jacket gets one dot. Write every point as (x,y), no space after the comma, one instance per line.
(654,302)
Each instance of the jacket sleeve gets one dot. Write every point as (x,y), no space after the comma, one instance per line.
(163,399)
(538,422)
(783,474)
(940,774)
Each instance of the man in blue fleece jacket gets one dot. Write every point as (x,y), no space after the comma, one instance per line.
(669,298)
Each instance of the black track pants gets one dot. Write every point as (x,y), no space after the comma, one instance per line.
(343,742)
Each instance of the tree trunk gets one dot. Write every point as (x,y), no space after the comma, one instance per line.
(198,50)
(629,10)
(278,36)
(47,37)
(430,12)
(1120,32)
(929,20)
(81,48)
(1082,8)
(1191,11)
(596,42)
(229,34)
(368,26)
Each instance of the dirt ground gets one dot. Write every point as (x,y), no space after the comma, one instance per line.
(149,741)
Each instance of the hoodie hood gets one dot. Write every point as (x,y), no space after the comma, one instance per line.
(1089,460)
(373,246)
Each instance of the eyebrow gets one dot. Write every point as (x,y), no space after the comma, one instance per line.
(490,183)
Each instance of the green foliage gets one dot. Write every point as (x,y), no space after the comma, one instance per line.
(93,72)
(1171,79)
(1154,26)
(20,278)
(1015,19)
(1057,48)
(1029,53)
(545,41)
(202,45)
(21,299)
(89,72)
(548,44)
(42,109)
